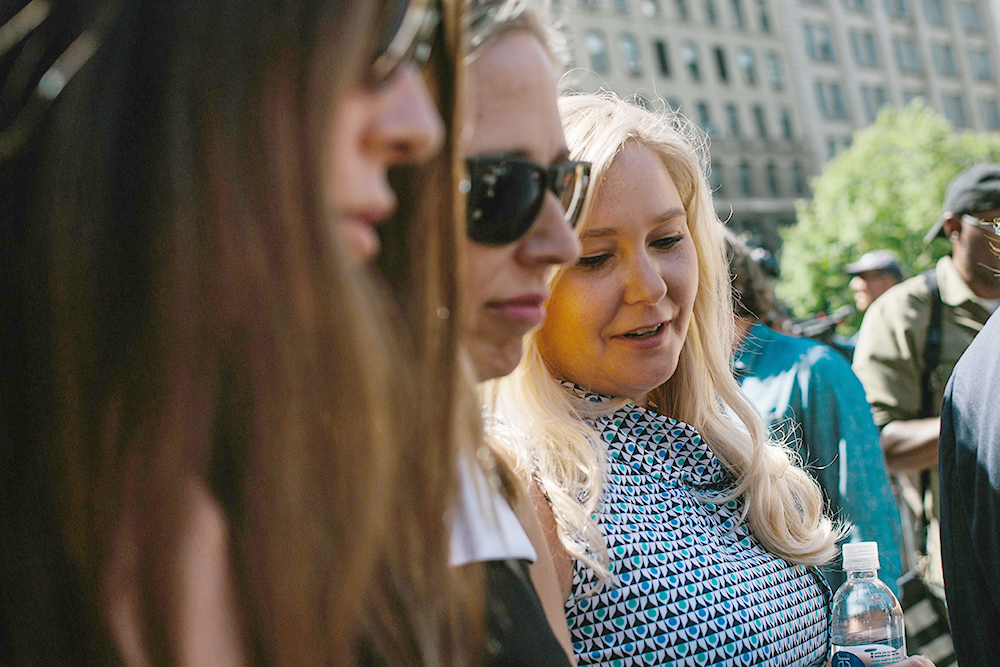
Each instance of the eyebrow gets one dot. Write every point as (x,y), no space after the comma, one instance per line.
(666,216)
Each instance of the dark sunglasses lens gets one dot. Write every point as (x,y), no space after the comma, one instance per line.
(393,16)
(504,199)
(407,37)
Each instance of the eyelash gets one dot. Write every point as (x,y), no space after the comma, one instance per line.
(595,261)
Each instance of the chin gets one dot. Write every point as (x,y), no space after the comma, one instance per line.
(496,362)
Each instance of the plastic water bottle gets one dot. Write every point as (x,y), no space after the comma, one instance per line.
(867,621)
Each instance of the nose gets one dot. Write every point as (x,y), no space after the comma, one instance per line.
(643,282)
(407,128)
(550,240)
(857,283)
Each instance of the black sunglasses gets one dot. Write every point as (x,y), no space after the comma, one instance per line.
(407,38)
(506,194)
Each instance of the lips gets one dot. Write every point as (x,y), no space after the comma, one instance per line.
(645,337)
(528,309)
(645,331)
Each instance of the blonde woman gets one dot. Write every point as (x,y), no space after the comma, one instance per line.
(680,534)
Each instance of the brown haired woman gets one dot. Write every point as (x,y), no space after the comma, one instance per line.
(198,466)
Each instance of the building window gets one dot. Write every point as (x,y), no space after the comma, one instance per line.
(785,121)
(968,14)
(662,59)
(715,178)
(763,16)
(989,112)
(819,42)
(760,121)
(590,4)
(649,8)
(748,67)
(944,59)
(860,6)
(954,110)
(597,49)
(705,119)
(979,64)
(683,11)
(743,173)
(910,95)
(733,121)
(830,100)
(873,98)
(906,54)
(934,12)
(831,148)
(839,108)
(864,49)
(739,20)
(629,49)
(711,13)
(772,179)
(689,54)
(899,9)
(720,64)
(798,179)
(775,73)
(621,6)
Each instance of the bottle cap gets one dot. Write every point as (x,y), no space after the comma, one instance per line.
(860,556)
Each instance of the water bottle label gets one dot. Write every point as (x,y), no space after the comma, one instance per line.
(865,655)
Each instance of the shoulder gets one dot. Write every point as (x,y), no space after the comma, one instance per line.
(900,302)
(894,318)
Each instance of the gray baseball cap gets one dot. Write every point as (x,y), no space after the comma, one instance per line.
(974,190)
(876,260)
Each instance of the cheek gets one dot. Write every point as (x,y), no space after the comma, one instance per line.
(565,330)
(345,137)
(485,272)
(684,281)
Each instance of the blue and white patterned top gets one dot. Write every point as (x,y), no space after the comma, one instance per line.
(693,586)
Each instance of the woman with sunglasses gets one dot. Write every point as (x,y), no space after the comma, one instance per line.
(523,198)
(199,466)
(695,540)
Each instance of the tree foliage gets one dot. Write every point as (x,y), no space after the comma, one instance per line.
(884,191)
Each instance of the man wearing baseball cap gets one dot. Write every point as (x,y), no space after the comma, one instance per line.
(871,275)
(903,381)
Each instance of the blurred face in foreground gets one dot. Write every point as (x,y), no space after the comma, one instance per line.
(516,127)
(389,120)
(619,317)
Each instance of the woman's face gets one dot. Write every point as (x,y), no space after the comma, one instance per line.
(516,115)
(375,127)
(618,318)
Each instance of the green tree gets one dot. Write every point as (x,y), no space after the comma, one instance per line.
(884,191)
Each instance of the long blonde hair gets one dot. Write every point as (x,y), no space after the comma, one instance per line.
(543,422)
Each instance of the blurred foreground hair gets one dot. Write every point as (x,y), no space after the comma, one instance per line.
(177,314)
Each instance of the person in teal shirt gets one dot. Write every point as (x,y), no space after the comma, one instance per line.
(809,397)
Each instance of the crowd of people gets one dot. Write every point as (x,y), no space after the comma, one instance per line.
(333,336)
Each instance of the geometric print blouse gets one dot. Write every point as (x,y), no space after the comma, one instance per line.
(693,587)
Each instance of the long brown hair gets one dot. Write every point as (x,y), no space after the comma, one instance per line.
(178,311)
